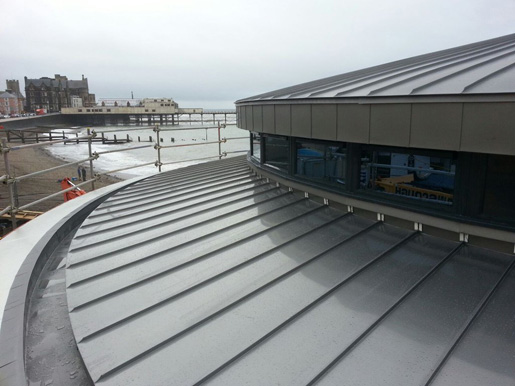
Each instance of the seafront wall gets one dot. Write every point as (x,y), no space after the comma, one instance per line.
(39,120)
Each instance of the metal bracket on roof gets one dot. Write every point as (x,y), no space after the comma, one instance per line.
(290,189)
(306,194)
(418,226)
(326,201)
(464,237)
(380,217)
(350,209)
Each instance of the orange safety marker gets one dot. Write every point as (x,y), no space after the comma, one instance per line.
(71,194)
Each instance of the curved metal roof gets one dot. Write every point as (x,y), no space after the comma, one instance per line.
(212,274)
(486,67)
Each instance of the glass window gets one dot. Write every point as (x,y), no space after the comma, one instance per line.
(277,152)
(256,145)
(423,177)
(323,162)
(500,188)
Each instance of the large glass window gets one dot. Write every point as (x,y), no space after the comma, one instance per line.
(321,162)
(419,176)
(277,152)
(499,195)
(256,145)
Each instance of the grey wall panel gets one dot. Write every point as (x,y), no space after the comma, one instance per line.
(301,121)
(248,118)
(283,119)
(238,112)
(243,118)
(390,124)
(269,119)
(489,128)
(324,122)
(353,123)
(436,125)
(257,118)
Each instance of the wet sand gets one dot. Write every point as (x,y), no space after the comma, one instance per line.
(34,159)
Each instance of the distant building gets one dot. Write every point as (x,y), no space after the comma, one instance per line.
(76,101)
(9,104)
(55,93)
(146,106)
(13,87)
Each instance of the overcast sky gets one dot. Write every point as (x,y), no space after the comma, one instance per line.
(210,53)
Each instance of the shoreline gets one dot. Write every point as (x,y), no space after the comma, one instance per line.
(34,159)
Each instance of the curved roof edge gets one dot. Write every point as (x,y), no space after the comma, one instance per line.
(22,252)
(485,67)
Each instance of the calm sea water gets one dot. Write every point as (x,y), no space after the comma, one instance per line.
(181,135)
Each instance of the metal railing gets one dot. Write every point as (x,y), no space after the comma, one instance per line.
(13,208)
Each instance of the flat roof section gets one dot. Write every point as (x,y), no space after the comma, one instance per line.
(212,274)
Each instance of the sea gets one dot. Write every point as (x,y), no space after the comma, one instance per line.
(192,143)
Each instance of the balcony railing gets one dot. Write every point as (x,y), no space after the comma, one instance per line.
(13,209)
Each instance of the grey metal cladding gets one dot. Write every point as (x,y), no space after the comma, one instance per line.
(211,274)
(283,120)
(353,123)
(486,67)
(257,118)
(248,118)
(301,121)
(238,111)
(324,121)
(488,128)
(269,119)
(436,125)
(390,124)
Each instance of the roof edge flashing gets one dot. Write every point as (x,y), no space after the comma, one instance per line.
(28,248)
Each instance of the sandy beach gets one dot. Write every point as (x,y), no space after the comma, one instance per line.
(35,159)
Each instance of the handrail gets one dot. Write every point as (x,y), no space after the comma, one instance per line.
(223,140)
(125,149)
(52,169)
(224,154)
(52,195)
(411,168)
(5,210)
(94,155)
(153,128)
(127,168)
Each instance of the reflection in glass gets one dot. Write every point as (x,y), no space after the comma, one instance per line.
(256,145)
(324,163)
(421,177)
(277,152)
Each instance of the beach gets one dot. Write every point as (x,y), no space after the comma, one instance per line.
(34,159)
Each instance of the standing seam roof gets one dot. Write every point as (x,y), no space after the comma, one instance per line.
(222,277)
(485,67)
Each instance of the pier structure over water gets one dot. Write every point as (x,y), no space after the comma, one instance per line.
(148,110)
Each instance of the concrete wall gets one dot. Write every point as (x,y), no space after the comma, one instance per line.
(472,127)
(41,120)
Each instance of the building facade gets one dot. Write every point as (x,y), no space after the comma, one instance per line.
(431,135)
(13,87)
(56,93)
(9,104)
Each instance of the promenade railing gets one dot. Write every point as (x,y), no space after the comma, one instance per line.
(8,178)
